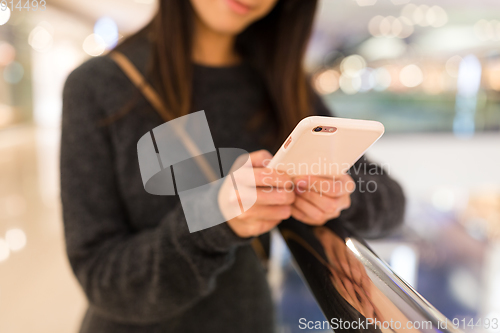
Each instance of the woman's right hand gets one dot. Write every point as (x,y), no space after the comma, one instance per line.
(274,198)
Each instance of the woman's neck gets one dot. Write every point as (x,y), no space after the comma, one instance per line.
(213,49)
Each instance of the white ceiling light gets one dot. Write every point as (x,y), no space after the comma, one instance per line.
(94,45)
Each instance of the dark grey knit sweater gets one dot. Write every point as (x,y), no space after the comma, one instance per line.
(140,268)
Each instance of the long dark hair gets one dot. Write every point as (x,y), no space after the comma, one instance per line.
(274,45)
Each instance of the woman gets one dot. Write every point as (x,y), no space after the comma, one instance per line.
(141,269)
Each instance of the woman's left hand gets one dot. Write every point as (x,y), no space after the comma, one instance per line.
(319,199)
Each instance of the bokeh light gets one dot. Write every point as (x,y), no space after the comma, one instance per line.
(396,27)
(13,73)
(469,76)
(4,16)
(394,72)
(352,65)
(487,30)
(16,239)
(408,10)
(390,26)
(437,16)
(425,15)
(374,25)
(108,30)
(407,28)
(419,15)
(327,82)
(350,85)
(40,38)
(411,76)
(386,26)
(94,45)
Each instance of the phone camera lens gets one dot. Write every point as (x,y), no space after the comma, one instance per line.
(317,129)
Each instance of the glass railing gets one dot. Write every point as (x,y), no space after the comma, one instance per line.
(356,290)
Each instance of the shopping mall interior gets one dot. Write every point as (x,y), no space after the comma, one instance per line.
(429,70)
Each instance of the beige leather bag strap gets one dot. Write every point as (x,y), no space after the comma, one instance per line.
(155,100)
(140,82)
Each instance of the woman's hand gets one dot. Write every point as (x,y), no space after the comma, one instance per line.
(274,198)
(319,199)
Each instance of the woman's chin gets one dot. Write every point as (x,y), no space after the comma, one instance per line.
(228,27)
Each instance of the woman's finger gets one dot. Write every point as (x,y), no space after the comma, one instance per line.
(264,212)
(331,207)
(327,204)
(260,158)
(328,186)
(266,196)
(301,216)
(271,177)
(314,214)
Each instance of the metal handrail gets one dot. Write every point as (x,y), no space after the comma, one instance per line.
(356,290)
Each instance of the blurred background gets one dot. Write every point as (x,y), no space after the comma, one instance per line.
(428,69)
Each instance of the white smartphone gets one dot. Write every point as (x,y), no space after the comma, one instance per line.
(325,146)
